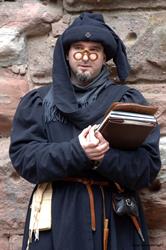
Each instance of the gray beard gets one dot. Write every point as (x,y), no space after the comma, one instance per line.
(84,77)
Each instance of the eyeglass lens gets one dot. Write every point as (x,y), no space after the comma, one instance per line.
(80,54)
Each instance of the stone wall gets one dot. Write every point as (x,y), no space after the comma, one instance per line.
(28,32)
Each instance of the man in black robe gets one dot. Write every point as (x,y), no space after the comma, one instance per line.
(54,141)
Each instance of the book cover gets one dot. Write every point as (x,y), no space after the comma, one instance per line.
(126,125)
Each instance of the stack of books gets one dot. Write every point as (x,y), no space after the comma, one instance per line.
(126,125)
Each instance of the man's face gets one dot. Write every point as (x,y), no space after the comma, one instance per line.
(85,60)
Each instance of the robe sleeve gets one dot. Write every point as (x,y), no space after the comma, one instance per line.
(33,157)
(133,169)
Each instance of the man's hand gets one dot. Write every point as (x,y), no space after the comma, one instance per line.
(93,143)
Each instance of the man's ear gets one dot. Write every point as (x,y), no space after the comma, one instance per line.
(67,57)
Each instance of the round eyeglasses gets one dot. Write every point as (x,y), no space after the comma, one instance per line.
(78,55)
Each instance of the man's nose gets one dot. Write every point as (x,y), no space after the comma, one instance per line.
(85,57)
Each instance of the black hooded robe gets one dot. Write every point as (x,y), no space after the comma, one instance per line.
(47,152)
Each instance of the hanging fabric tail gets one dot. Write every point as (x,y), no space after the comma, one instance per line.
(40,218)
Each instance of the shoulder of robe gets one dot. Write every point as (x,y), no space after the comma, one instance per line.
(34,97)
(134,95)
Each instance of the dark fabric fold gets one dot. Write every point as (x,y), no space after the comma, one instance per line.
(89,114)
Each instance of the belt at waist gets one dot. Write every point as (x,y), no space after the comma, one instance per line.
(89,183)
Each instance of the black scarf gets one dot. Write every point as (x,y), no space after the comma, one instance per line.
(85,95)
(89,114)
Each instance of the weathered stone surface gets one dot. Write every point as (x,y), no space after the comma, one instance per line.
(157,240)
(59,27)
(11,89)
(85,5)
(154,206)
(15,242)
(141,31)
(40,59)
(155,202)
(156,95)
(4,242)
(12,47)
(31,17)
(15,193)
(19,69)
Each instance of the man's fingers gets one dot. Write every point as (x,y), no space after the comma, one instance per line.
(91,136)
(85,131)
(83,137)
(99,150)
(103,147)
(94,146)
(100,137)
